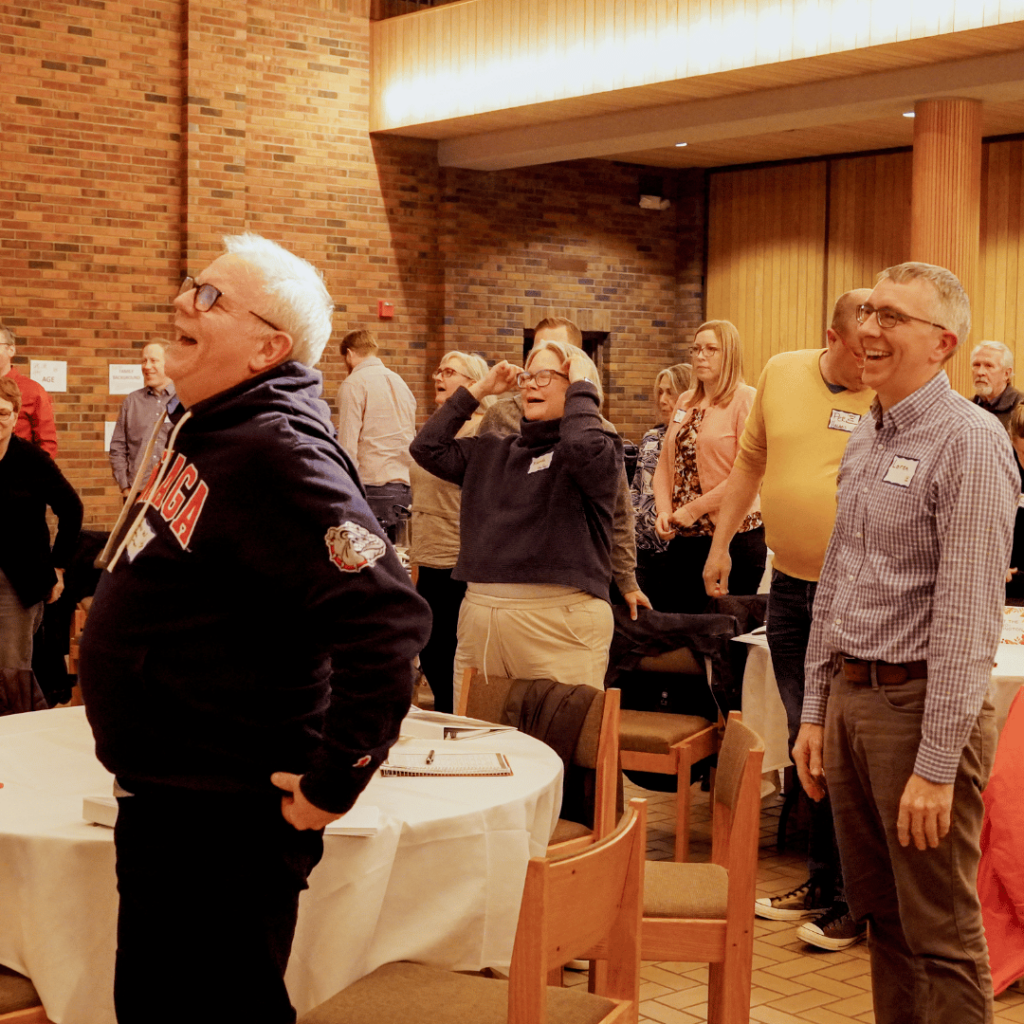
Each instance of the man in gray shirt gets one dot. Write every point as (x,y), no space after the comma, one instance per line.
(138,415)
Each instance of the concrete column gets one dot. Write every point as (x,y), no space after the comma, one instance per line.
(946,200)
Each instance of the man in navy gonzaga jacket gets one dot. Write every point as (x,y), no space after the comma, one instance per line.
(247,659)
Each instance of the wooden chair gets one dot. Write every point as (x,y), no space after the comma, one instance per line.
(669,744)
(597,749)
(570,905)
(705,912)
(19,1001)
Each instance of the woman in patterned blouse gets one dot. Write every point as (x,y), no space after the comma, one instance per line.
(669,384)
(699,450)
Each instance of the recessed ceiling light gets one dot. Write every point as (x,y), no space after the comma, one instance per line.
(678,144)
(908,113)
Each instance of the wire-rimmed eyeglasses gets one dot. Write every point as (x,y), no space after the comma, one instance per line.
(889,318)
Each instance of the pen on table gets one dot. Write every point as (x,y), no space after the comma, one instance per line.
(430,758)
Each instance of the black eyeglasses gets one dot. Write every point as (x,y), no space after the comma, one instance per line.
(889,318)
(206,298)
(542,378)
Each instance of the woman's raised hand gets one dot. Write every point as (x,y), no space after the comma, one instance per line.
(500,378)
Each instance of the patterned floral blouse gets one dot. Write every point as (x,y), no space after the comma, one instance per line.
(686,482)
(642,491)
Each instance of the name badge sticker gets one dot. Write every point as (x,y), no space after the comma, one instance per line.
(901,471)
(541,462)
(1020,501)
(843,420)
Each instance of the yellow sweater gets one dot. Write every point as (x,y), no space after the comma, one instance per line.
(795,435)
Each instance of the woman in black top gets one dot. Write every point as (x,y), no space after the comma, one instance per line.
(30,573)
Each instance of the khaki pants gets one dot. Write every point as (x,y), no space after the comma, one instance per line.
(544,633)
(929,961)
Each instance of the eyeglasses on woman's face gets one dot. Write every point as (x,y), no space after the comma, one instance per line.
(540,379)
(446,373)
(6,414)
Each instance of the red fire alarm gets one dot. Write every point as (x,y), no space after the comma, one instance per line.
(385,310)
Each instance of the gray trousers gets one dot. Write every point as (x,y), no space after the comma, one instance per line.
(18,625)
(929,961)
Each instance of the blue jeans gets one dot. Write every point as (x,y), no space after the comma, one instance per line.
(790,604)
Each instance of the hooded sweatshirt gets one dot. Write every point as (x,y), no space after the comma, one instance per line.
(537,507)
(257,620)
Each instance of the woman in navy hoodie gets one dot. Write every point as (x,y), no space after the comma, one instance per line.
(536,520)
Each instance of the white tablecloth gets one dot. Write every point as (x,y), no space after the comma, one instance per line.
(764,713)
(440,882)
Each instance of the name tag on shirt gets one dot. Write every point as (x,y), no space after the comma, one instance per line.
(541,462)
(1020,501)
(901,471)
(842,420)
(678,416)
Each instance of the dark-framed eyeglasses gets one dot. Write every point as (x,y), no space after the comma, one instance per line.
(206,297)
(542,378)
(447,372)
(889,318)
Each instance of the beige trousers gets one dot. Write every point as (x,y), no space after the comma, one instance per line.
(543,632)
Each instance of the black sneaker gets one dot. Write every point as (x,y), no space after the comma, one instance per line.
(834,930)
(804,901)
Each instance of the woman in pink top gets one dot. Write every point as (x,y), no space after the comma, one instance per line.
(696,458)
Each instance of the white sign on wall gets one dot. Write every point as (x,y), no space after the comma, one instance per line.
(108,433)
(125,378)
(52,374)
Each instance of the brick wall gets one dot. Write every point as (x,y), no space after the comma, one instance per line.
(136,134)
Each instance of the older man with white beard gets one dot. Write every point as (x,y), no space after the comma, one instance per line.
(991,370)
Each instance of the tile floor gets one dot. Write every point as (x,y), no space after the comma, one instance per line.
(793,983)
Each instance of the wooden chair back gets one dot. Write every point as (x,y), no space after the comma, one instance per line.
(574,903)
(597,748)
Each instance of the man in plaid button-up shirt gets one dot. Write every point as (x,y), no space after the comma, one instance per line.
(909,608)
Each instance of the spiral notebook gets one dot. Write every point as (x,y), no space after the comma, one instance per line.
(431,763)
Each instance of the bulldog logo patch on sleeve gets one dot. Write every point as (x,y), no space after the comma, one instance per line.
(352,547)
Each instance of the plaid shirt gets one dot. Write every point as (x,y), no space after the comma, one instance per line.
(916,566)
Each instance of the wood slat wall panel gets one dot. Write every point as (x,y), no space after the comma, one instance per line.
(869,221)
(766,260)
(1001,316)
(774,271)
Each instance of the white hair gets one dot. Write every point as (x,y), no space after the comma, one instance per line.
(996,346)
(299,301)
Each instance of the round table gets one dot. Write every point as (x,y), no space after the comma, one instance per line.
(440,882)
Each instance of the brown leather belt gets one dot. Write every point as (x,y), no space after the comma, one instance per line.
(882,672)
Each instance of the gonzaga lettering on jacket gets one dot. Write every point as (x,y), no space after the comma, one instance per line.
(179,498)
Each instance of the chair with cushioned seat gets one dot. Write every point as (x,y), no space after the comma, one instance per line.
(571,904)
(669,744)
(705,912)
(597,750)
(19,1000)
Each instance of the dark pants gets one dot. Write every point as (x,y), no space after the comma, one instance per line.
(679,583)
(788,625)
(382,500)
(929,961)
(209,889)
(437,659)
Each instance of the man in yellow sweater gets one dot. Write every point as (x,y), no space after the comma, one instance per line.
(808,401)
